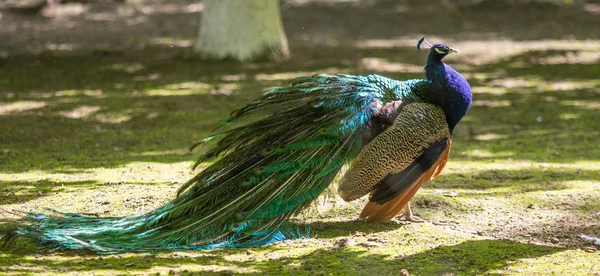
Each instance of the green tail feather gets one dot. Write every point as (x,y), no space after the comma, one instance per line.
(262,173)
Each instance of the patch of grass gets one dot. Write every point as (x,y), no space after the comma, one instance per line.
(107,133)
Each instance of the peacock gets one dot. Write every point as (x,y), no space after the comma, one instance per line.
(273,156)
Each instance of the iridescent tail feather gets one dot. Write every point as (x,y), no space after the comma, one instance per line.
(260,174)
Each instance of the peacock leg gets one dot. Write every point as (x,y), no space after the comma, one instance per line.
(408,215)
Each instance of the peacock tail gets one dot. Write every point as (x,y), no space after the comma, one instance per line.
(275,156)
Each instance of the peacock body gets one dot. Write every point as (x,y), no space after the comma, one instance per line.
(279,153)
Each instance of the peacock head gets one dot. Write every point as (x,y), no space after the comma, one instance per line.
(438,51)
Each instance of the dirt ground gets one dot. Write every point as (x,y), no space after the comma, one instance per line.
(99,102)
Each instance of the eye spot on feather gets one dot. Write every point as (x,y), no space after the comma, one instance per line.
(322,130)
(341,109)
(234,227)
(259,170)
(267,151)
(281,147)
(317,104)
(247,182)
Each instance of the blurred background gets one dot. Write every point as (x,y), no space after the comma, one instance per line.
(34,26)
(99,101)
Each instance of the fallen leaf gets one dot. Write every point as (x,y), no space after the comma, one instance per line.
(360,234)
(343,242)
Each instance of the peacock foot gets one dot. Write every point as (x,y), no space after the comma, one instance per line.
(408,215)
(412,218)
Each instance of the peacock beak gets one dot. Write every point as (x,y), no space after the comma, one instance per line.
(452,50)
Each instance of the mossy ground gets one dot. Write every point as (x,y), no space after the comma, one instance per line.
(106,132)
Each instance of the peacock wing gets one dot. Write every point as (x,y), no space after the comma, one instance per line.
(395,191)
(400,156)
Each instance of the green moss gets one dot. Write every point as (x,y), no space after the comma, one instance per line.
(107,133)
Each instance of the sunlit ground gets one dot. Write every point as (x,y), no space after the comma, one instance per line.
(105,131)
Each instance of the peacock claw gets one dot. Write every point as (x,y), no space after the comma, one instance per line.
(414,219)
(408,215)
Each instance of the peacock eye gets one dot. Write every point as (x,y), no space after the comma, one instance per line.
(439,51)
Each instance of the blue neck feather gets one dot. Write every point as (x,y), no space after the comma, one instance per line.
(452,91)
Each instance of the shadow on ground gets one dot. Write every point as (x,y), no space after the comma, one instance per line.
(480,256)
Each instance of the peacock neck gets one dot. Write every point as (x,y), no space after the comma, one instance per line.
(451,91)
(435,71)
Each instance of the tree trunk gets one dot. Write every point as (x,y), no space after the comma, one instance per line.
(243,30)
